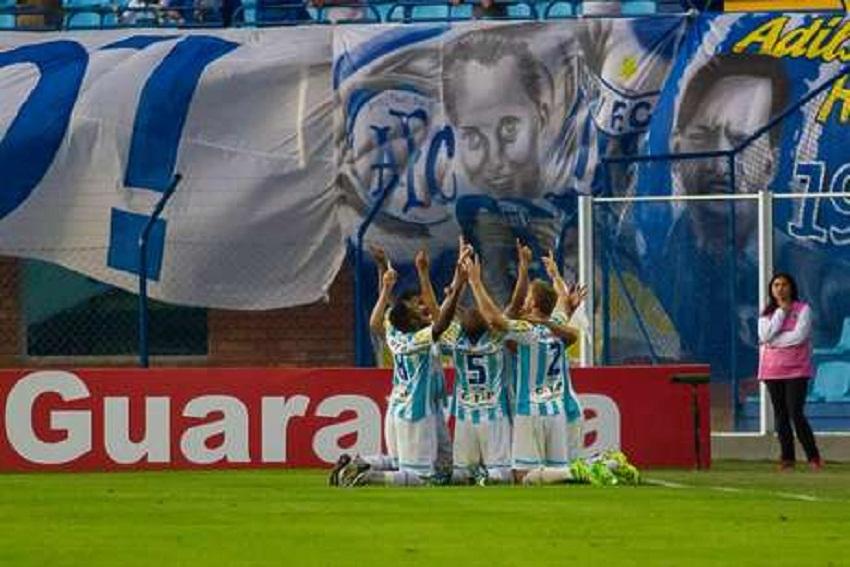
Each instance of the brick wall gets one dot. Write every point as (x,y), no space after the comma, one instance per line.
(10,315)
(312,335)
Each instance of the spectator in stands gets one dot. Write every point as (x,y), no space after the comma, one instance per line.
(282,11)
(785,366)
(144,12)
(487,9)
(341,10)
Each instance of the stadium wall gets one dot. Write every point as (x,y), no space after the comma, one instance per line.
(316,335)
(309,336)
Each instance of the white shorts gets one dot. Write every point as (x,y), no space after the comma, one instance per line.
(487,443)
(575,439)
(390,437)
(540,440)
(416,445)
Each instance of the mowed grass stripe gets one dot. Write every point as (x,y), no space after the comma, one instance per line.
(275,517)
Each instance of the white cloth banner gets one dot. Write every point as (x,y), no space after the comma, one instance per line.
(94,126)
(286,137)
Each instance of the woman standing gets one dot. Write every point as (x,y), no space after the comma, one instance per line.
(785,365)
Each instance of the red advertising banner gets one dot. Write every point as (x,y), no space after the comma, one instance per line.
(123,419)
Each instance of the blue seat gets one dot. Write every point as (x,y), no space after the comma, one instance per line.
(557,9)
(841,350)
(82,14)
(428,12)
(832,382)
(638,7)
(7,20)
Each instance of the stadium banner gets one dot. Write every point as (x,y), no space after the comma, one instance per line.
(127,419)
(489,130)
(245,116)
(285,137)
(733,75)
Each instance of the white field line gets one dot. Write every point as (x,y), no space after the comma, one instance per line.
(664,483)
(732,489)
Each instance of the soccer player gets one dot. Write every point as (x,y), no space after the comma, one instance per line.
(443,463)
(426,302)
(540,427)
(410,337)
(605,469)
(569,299)
(482,443)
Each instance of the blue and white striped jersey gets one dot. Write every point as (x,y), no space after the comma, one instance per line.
(571,402)
(541,369)
(481,387)
(416,381)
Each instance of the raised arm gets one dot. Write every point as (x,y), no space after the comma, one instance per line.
(492,315)
(376,320)
(449,306)
(426,289)
(521,287)
(569,297)
(558,283)
(379,256)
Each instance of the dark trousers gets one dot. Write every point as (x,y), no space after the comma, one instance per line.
(788,398)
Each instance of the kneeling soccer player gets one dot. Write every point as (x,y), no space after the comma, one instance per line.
(410,339)
(540,427)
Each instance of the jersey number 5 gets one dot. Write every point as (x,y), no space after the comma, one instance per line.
(476,371)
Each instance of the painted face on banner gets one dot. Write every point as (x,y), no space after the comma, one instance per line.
(731,110)
(498,130)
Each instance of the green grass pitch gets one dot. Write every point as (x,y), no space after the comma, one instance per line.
(735,514)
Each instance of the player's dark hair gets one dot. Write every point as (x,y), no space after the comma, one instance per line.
(736,65)
(472,322)
(544,296)
(400,312)
(772,305)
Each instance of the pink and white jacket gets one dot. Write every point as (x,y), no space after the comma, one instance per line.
(786,346)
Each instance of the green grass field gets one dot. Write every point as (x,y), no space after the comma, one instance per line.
(735,514)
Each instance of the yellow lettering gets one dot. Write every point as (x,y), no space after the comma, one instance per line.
(766,36)
(816,47)
(833,48)
(794,43)
(838,93)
